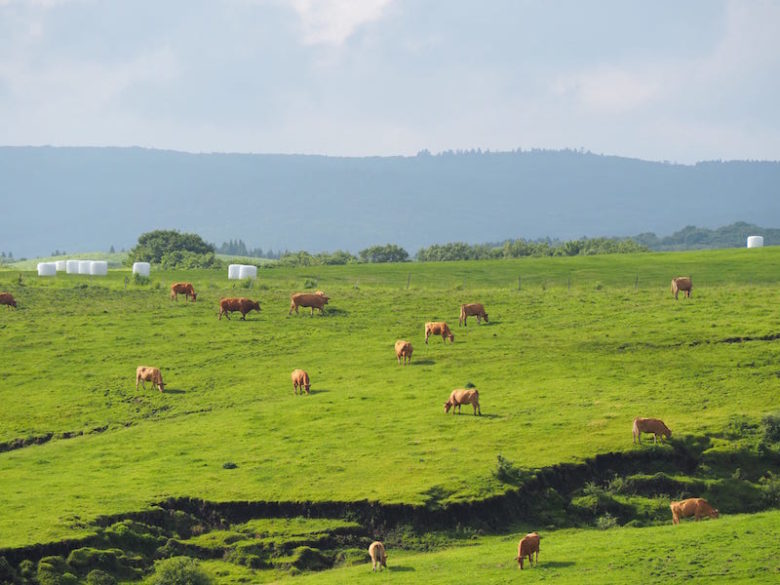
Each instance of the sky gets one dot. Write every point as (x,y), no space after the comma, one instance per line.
(663,80)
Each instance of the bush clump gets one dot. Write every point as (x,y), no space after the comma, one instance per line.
(55,571)
(180,571)
(98,577)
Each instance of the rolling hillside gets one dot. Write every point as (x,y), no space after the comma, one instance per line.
(575,348)
(91,198)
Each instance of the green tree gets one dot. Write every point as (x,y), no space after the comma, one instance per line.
(386,253)
(153,246)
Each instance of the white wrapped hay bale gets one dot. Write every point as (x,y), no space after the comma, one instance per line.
(247,271)
(72,266)
(755,242)
(84,266)
(233,271)
(47,269)
(98,268)
(142,268)
(61,265)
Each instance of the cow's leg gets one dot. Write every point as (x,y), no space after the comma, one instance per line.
(426,338)
(137,379)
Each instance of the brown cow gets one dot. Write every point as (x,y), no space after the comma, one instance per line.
(438,328)
(227,306)
(378,555)
(527,546)
(300,379)
(403,349)
(472,309)
(315,300)
(649,425)
(682,283)
(145,374)
(182,288)
(7,299)
(459,396)
(696,507)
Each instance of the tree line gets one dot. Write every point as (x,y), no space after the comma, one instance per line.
(172,249)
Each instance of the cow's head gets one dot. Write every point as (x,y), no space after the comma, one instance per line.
(451,337)
(447,406)
(486,319)
(194,296)
(256,305)
(714,513)
(667,432)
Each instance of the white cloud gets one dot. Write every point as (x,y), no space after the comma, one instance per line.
(334,21)
(610,89)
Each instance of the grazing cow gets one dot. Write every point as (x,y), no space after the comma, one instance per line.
(472,309)
(227,306)
(438,328)
(7,299)
(182,288)
(459,396)
(696,507)
(300,379)
(527,546)
(145,374)
(378,555)
(315,300)
(649,425)
(682,283)
(403,349)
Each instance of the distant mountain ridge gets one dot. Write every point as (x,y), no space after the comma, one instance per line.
(90,198)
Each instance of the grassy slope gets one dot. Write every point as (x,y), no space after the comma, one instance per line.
(733,549)
(561,373)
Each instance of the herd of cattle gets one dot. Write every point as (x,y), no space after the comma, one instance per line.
(529,544)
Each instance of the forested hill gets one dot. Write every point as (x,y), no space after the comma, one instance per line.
(90,198)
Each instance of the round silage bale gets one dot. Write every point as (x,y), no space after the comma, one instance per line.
(142,268)
(47,269)
(755,242)
(72,266)
(98,268)
(233,271)
(84,266)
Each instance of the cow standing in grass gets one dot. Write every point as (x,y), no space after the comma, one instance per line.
(469,310)
(145,374)
(696,507)
(682,283)
(378,555)
(438,328)
(7,299)
(403,350)
(300,379)
(649,425)
(527,546)
(315,300)
(227,306)
(182,288)
(460,396)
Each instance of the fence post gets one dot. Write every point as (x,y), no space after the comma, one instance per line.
(636,282)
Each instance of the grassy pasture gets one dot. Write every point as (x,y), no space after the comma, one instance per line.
(733,549)
(567,361)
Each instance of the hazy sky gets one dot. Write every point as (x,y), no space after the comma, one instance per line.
(662,80)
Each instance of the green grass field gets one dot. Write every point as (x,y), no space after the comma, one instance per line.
(567,361)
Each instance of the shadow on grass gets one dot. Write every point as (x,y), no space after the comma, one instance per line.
(555,564)
(400,569)
(423,363)
(174,391)
(312,391)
